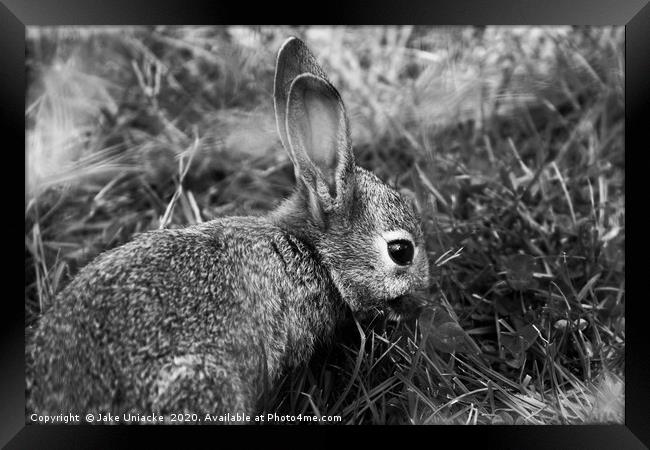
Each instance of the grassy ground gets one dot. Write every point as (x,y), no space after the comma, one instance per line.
(511,139)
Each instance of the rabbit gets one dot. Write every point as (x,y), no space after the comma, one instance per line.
(202,319)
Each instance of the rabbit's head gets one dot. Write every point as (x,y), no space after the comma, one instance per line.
(367,234)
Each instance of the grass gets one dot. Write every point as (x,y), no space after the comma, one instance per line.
(510,138)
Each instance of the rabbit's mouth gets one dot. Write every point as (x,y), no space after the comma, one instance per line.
(404,307)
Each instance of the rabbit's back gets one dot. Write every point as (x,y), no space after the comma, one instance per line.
(191,318)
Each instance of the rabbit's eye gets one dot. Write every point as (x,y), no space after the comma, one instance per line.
(401,251)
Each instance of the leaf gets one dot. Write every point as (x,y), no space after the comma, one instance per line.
(450,337)
(519,271)
(519,341)
(507,306)
(517,361)
(503,418)
(516,344)
(444,332)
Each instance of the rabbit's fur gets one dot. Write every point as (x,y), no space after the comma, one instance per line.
(202,319)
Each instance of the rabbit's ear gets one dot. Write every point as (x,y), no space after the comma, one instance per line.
(319,142)
(294,58)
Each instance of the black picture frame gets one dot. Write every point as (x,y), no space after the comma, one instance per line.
(633,14)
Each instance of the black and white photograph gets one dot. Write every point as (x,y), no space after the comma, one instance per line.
(345,225)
